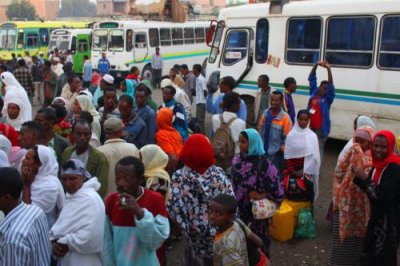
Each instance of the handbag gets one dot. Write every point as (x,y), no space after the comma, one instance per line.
(264,208)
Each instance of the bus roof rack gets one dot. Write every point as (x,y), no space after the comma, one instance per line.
(276,6)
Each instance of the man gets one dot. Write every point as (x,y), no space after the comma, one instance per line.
(319,105)
(226,85)
(49,88)
(106,81)
(179,121)
(110,107)
(115,148)
(261,102)
(157,66)
(56,66)
(71,91)
(41,57)
(201,96)
(175,78)
(69,58)
(87,71)
(24,230)
(47,118)
(24,77)
(28,60)
(288,104)
(137,223)
(190,81)
(145,112)
(31,134)
(37,75)
(63,78)
(103,65)
(180,96)
(95,161)
(135,127)
(273,127)
(14,61)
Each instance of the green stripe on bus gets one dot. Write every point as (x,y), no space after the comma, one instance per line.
(174,56)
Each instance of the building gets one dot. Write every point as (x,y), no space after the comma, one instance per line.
(109,7)
(46,9)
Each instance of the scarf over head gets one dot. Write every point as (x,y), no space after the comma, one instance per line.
(167,137)
(256,146)
(391,157)
(197,153)
(96,77)
(86,105)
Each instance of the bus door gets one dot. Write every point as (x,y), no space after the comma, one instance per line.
(32,41)
(80,49)
(236,56)
(141,47)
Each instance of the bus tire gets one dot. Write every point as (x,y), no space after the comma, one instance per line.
(147,72)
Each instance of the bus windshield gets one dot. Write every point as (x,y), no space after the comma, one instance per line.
(60,42)
(100,40)
(7,39)
(116,40)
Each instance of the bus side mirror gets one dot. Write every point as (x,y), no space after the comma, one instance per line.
(210,33)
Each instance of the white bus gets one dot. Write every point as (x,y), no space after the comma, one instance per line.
(132,43)
(75,40)
(359,38)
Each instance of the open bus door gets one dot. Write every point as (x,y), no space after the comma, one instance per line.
(80,47)
(141,47)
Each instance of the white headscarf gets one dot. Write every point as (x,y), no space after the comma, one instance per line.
(12,83)
(86,105)
(4,162)
(304,143)
(5,144)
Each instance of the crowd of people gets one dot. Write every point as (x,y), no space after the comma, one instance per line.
(102,174)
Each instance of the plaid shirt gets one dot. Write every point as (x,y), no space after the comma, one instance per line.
(24,77)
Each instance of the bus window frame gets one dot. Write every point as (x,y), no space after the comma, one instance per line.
(129,41)
(158,38)
(378,52)
(74,44)
(189,40)
(170,37)
(255,42)
(33,34)
(100,49)
(145,40)
(248,51)
(373,41)
(20,40)
(119,49)
(84,43)
(177,41)
(199,40)
(321,39)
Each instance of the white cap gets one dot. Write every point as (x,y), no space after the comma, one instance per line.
(108,78)
(165,82)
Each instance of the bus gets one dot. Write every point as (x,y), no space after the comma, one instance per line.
(359,38)
(132,43)
(75,40)
(33,36)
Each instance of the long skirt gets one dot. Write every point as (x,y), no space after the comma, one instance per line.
(346,252)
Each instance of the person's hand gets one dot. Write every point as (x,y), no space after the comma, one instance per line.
(28,175)
(129,203)
(257,196)
(320,63)
(359,173)
(59,250)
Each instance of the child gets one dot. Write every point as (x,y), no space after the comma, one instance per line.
(230,247)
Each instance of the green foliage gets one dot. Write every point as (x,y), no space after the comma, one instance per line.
(21,9)
(74,8)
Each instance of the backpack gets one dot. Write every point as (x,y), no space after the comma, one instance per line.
(223,144)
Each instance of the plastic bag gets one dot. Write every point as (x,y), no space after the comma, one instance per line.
(263,209)
(305,225)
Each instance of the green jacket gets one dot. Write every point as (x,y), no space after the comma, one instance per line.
(97,166)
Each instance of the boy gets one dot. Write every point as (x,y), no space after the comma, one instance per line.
(288,104)
(201,95)
(229,246)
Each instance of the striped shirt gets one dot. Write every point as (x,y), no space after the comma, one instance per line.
(24,238)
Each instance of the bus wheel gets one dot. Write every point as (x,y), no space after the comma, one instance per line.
(251,116)
(147,73)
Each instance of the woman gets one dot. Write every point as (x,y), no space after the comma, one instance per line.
(350,204)
(77,237)
(41,185)
(382,186)
(127,87)
(192,188)
(302,161)
(254,177)
(83,103)
(155,160)
(168,138)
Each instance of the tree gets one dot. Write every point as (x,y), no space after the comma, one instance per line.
(70,8)
(21,9)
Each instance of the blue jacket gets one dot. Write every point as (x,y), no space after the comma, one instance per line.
(213,106)
(324,102)
(136,132)
(103,66)
(149,117)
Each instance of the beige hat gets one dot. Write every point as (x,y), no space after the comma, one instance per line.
(108,78)
(112,125)
(165,82)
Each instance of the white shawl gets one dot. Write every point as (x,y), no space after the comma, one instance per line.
(80,226)
(46,190)
(304,143)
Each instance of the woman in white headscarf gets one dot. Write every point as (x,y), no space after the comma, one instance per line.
(41,185)
(360,121)
(302,160)
(83,103)
(17,107)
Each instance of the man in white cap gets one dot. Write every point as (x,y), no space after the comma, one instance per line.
(180,96)
(56,66)
(106,81)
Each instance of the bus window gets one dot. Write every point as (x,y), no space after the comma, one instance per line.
(165,36)
(235,47)
(389,49)
(32,40)
(129,38)
(73,44)
(154,39)
(20,42)
(199,33)
(189,35)
(216,42)
(350,41)
(262,41)
(100,40)
(177,36)
(303,40)
(140,40)
(116,40)
(83,46)
(7,39)
(44,37)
